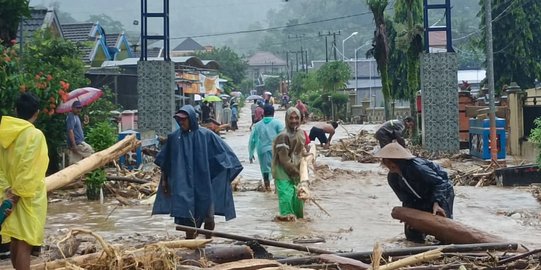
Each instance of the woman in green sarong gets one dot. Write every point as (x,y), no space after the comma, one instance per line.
(287,151)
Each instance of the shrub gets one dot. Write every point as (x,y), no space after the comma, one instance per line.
(535,137)
(101,136)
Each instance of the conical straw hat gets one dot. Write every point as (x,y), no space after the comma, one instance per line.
(394,150)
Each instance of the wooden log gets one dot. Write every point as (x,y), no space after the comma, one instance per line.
(444,229)
(261,241)
(96,160)
(222,254)
(79,260)
(344,263)
(252,264)
(366,255)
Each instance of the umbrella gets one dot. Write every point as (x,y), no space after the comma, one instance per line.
(86,95)
(196,97)
(225,96)
(254,97)
(236,93)
(268,93)
(212,99)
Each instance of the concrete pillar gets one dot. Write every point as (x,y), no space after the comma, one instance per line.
(156,96)
(439,91)
(516,120)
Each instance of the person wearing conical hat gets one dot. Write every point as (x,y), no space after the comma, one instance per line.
(419,183)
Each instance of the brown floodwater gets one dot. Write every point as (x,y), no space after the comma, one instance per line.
(359,203)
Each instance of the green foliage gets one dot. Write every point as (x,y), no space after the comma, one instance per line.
(535,137)
(516,41)
(96,179)
(246,85)
(334,75)
(272,84)
(100,110)
(11,12)
(101,136)
(49,69)
(231,64)
(304,85)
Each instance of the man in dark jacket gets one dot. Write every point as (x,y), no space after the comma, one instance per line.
(197,170)
(418,183)
(394,130)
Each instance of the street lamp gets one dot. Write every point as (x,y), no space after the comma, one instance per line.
(343,41)
(356,75)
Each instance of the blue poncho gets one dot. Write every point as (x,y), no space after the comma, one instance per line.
(200,167)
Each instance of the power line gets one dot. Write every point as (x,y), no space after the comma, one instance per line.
(276,27)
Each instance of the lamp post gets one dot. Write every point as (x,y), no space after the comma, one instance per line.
(356,75)
(343,41)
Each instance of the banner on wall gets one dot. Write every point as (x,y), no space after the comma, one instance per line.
(189,82)
(209,85)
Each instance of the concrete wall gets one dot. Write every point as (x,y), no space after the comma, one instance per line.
(156,99)
(518,145)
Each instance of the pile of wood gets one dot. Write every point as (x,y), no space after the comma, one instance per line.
(482,175)
(359,148)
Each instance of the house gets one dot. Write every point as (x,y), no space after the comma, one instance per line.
(265,63)
(97,46)
(189,47)
(40,19)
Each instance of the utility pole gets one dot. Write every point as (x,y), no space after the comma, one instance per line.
(334,44)
(490,77)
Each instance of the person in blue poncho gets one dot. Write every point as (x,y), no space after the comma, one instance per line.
(197,170)
(261,139)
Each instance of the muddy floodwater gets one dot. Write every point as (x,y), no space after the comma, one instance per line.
(359,201)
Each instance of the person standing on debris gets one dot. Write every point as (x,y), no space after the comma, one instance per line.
(287,151)
(419,184)
(78,148)
(394,130)
(205,111)
(304,111)
(234,116)
(319,131)
(197,170)
(23,162)
(261,139)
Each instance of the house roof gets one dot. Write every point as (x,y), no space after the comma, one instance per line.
(191,61)
(154,52)
(78,32)
(112,39)
(39,18)
(189,45)
(265,59)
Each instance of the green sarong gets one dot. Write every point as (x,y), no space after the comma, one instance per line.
(288,201)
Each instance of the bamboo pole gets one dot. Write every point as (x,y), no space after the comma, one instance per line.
(365,255)
(261,241)
(96,160)
(414,259)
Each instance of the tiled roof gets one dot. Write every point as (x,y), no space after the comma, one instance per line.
(189,45)
(78,31)
(39,17)
(112,39)
(265,59)
(151,52)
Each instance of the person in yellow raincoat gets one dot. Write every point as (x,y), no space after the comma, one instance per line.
(23,163)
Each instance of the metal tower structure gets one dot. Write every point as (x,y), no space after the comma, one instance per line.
(145,37)
(447,27)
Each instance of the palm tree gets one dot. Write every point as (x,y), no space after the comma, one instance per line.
(380,50)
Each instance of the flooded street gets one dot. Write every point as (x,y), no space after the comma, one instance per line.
(359,200)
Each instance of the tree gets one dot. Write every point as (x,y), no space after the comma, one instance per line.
(272,84)
(11,13)
(408,18)
(380,50)
(516,31)
(231,64)
(109,24)
(50,68)
(334,75)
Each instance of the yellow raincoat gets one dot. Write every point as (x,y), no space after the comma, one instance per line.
(23,163)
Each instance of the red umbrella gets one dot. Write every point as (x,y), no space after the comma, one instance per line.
(86,95)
